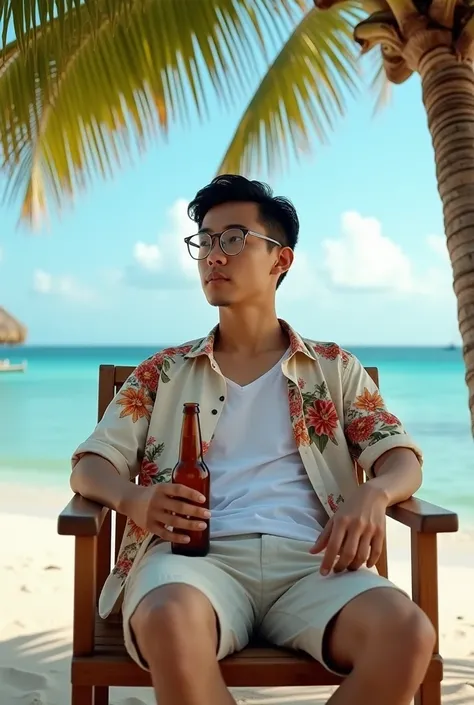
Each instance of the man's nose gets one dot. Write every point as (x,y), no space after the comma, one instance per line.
(216,255)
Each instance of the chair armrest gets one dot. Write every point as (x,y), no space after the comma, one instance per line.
(424,517)
(81,517)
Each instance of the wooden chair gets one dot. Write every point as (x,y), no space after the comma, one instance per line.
(99,658)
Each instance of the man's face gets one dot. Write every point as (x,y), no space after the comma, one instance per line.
(250,275)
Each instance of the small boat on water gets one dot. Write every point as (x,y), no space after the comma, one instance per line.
(7,366)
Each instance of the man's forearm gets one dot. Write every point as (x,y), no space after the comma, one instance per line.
(397,474)
(97,479)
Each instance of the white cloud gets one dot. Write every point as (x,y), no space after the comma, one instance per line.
(437,243)
(165,264)
(365,260)
(63,286)
(147,256)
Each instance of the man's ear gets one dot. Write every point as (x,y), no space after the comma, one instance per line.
(284,261)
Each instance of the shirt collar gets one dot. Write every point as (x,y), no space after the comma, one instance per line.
(206,345)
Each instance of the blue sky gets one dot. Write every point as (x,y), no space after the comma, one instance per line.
(371,266)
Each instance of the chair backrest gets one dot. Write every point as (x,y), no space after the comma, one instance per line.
(112,377)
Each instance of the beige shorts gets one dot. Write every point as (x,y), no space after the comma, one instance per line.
(255,583)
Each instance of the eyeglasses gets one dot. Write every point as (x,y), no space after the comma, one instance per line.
(231,242)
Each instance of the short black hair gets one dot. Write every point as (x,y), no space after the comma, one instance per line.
(277,213)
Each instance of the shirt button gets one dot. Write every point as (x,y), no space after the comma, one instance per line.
(214,411)
(221,398)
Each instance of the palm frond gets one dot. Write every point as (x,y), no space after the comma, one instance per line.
(304,89)
(24,17)
(120,81)
(380,83)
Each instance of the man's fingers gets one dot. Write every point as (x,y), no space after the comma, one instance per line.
(348,551)
(375,549)
(180,522)
(177,506)
(176,490)
(362,553)
(322,540)
(333,548)
(167,535)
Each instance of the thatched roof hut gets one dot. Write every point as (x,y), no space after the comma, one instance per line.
(12,332)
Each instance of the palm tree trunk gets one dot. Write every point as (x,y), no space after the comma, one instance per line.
(448,95)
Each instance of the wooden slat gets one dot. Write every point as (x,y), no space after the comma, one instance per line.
(81,517)
(122,372)
(424,517)
(106,388)
(374,373)
(84,595)
(424,575)
(101,695)
(277,668)
(429,694)
(82,695)
(424,580)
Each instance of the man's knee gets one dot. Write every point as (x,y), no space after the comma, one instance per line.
(403,636)
(414,630)
(381,625)
(174,618)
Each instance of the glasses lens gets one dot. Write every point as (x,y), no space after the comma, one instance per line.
(232,241)
(199,245)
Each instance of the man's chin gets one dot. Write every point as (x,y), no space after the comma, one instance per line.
(221,303)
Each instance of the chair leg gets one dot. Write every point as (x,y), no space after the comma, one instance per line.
(429,694)
(101,695)
(82,695)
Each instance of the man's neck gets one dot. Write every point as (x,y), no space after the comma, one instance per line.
(252,331)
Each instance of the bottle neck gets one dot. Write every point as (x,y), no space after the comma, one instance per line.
(190,447)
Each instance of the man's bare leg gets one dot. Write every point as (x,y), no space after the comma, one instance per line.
(176,631)
(387,641)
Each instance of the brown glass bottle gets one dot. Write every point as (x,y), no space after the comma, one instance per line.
(190,470)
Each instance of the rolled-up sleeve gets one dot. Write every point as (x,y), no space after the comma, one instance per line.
(120,435)
(369,427)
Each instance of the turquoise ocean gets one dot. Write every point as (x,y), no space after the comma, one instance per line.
(47,411)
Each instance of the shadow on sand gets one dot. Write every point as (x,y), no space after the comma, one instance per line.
(35,669)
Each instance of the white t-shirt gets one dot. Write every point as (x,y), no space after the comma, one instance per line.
(258,481)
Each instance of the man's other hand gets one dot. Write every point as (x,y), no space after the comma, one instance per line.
(355,533)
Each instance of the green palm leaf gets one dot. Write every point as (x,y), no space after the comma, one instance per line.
(304,89)
(73,99)
(380,83)
(25,16)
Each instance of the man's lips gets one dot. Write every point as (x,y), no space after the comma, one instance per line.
(216,277)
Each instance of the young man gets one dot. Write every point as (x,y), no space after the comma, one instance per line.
(294,539)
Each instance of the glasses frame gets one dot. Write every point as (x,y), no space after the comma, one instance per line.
(245,232)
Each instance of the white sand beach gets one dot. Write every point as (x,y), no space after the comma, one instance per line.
(36,582)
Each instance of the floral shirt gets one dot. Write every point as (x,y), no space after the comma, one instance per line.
(336,410)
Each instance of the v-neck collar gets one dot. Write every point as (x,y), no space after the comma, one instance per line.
(266,374)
